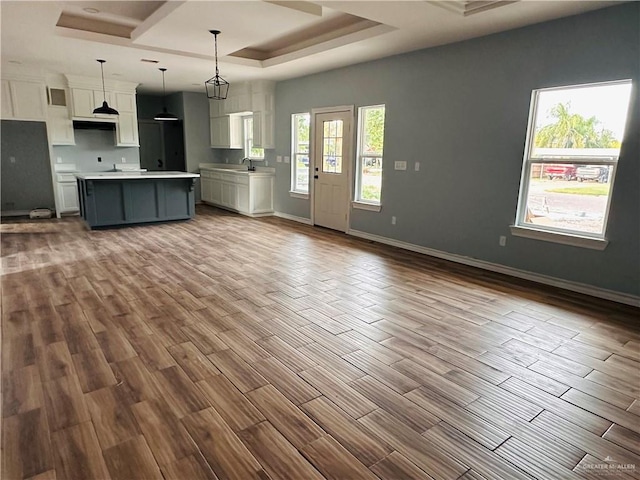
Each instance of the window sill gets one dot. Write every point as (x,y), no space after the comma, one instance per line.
(372,207)
(304,196)
(563,238)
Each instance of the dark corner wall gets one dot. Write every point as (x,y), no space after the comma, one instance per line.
(462,111)
(26,170)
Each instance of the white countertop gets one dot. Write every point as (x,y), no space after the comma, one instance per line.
(239,170)
(133,175)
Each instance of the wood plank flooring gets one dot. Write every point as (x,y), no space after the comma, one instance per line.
(235,348)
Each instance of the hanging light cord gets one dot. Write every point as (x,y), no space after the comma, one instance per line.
(215,38)
(104,93)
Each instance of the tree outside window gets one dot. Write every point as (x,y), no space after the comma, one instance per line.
(575,135)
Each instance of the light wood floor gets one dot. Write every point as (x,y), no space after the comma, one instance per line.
(236,348)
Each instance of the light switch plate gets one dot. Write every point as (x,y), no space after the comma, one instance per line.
(417,166)
(287,159)
(400,165)
(279,158)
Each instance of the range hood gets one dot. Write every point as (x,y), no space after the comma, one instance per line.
(98,124)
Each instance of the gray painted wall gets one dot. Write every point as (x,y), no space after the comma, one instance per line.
(149,105)
(25,167)
(462,111)
(91,144)
(197,144)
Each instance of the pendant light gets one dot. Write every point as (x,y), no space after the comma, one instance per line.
(164,116)
(217,87)
(105,109)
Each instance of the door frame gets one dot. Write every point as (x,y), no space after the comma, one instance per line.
(348,155)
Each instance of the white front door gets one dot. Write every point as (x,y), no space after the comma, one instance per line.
(332,165)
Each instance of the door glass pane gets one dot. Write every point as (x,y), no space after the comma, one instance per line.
(332,147)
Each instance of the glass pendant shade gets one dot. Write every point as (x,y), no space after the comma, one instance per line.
(164,116)
(217,87)
(104,109)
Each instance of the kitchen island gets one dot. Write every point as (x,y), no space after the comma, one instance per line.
(110,199)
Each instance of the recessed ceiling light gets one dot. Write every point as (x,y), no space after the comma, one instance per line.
(91,10)
(148,60)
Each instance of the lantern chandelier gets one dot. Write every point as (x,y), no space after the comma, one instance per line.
(217,87)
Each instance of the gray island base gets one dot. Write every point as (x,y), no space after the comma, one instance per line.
(112,199)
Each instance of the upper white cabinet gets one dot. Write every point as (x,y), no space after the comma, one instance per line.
(258,98)
(239,99)
(226,131)
(87,94)
(23,100)
(60,126)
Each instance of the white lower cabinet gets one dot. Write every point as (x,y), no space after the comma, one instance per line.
(244,192)
(68,197)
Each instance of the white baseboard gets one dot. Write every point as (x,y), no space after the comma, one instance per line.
(16,213)
(514,272)
(306,221)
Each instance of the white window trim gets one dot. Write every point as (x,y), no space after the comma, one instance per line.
(357,201)
(360,205)
(559,237)
(245,140)
(296,193)
(546,233)
(300,194)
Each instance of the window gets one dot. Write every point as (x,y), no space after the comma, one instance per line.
(370,148)
(300,123)
(249,150)
(573,144)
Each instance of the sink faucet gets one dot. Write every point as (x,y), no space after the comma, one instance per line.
(251,167)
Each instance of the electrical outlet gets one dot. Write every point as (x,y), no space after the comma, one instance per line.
(287,159)
(12,159)
(393,220)
(502,240)
(124,159)
(400,165)
(279,158)
(99,159)
(59,159)
(417,166)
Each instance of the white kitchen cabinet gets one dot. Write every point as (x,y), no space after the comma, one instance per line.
(60,126)
(68,196)
(226,131)
(205,188)
(127,130)
(263,129)
(124,102)
(23,100)
(84,101)
(249,193)
(67,193)
(262,106)
(239,99)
